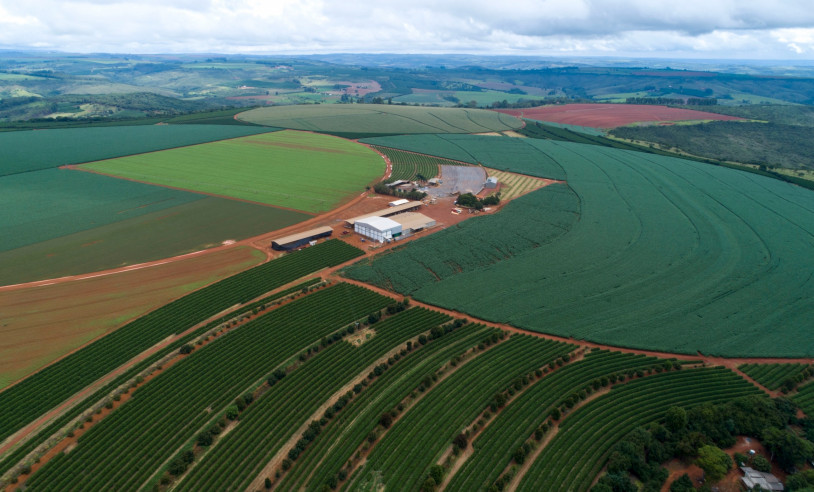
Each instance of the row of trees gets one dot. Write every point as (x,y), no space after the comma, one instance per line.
(471,201)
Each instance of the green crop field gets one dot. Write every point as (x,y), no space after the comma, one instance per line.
(51,203)
(665,254)
(191,226)
(302,171)
(31,150)
(773,376)
(521,155)
(381,119)
(578,452)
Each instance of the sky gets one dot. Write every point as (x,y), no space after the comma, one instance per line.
(723,29)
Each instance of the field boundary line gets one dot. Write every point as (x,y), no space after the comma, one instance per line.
(728,362)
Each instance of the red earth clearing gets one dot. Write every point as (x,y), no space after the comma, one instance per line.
(612,115)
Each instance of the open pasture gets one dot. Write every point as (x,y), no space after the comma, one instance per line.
(380,119)
(24,151)
(303,171)
(44,322)
(667,254)
(612,115)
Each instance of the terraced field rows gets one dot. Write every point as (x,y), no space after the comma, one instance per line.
(345,434)
(772,375)
(267,424)
(124,449)
(515,424)
(577,453)
(805,398)
(409,165)
(414,443)
(44,390)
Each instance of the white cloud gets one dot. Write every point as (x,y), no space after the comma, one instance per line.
(704,28)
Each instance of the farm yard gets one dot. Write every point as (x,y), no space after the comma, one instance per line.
(371,119)
(613,115)
(612,301)
(296,170)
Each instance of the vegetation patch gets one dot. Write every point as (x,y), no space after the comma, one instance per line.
(303,171)
(767,144)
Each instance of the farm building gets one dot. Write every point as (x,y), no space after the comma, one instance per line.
(491,182)
(294,241)
(378,228)
(412,222)
(434,181)
(387,212)
(766,481)
(398,182)
(396,203)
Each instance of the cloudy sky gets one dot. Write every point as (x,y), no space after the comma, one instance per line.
(744,29)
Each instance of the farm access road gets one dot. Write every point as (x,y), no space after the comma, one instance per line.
(729,363)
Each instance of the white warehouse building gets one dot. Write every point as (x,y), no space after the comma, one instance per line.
(378,228)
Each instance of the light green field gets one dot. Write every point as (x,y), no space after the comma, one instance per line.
(303,171)
(16,76)
(381,119)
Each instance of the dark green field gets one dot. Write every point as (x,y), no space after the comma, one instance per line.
(190,227)
(45,149)
(666,254)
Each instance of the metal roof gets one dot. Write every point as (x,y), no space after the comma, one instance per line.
(302,235)
(381,224)
(386,212)
(413,220)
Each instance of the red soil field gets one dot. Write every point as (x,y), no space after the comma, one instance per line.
(44,322)
(612,115)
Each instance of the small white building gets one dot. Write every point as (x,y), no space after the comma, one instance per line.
(378,228)
(396,203)
(491,182)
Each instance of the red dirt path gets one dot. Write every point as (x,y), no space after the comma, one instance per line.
(612,115)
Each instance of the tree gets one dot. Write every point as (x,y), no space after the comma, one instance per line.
(675,419)
(682,484)
(461,441)
(787,448)
(385,420)
(437,473)
(268,483)
(761,464)
(714,462)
